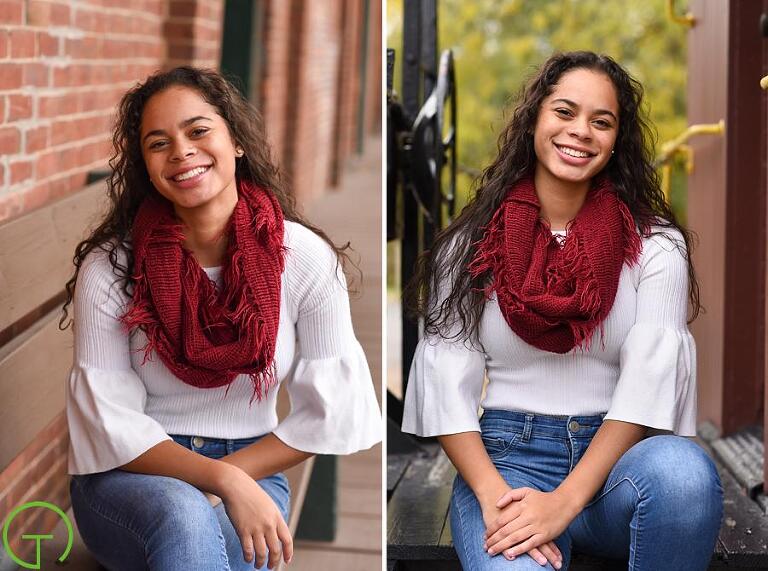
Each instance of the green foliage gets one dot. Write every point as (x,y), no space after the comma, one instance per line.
(498,44)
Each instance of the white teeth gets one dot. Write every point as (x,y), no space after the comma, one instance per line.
(573,152)
(190,174)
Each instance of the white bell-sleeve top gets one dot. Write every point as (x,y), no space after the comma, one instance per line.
(641,369)
(119,406)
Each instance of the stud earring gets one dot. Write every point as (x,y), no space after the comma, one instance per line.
(239,152)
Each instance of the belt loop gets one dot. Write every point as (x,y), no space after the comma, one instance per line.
(528,427)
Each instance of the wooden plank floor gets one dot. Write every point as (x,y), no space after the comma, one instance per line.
(353,213)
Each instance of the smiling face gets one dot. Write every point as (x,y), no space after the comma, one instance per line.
(188,150)
(576,128)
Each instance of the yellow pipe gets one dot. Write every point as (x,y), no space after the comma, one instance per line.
(666,181)
(670,147)
(679,146)
(686,20)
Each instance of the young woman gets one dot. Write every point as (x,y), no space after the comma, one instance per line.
(200,292)
(566,282)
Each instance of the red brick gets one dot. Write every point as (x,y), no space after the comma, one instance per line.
(23,44)
(39,13)
(36,139)
(10,75)
(3,44)
(91,21)
(154,7)
(69,158)
(68,130)
(19,107)
(10,141)
(61,14)
(66,186)
(178,29)
(20,171)
(181,52)
(11,11)
(33,198)
(10,204)
(35,74)
(54,431)
(55,105)
(121,24)
(48,45)
(47,165)
(44,13)
(118,49)
(60,187)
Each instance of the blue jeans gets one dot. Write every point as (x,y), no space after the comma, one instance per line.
(660,507)
(137,522)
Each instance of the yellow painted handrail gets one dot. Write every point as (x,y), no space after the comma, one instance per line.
(670,147)
(686,20)
(679,145)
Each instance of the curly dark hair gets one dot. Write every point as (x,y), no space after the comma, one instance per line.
(456,313)
(128,183)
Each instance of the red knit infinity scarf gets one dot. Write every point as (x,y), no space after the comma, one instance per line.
(204,335)
(554,296)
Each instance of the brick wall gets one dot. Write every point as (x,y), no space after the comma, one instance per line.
(64,66)
(38,473)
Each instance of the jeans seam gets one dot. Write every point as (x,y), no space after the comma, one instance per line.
(606,492)
(464,527)
(633,552)
(636,542)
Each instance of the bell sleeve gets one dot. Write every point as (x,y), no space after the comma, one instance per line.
(105,398)
(444,388)
(333,402)
(445,382)
(657,382)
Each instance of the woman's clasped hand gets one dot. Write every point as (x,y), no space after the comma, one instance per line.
(517,518)
(528,519)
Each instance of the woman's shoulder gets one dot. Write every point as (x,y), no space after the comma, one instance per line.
(312,267)
(305,250)
(664,250)
(662,236)
(102,258)
(101,273)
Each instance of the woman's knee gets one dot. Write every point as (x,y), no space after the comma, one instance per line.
(147,505)
(678,474)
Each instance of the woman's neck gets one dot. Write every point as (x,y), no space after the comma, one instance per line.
(205,231)
(560,201)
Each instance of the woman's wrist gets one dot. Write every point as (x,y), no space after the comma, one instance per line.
(223,478)
(490,492)
(572,499)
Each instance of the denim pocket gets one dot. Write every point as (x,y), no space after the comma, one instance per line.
(498,442)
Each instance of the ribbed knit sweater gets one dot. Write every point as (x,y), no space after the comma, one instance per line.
(119,406)
(640,369)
